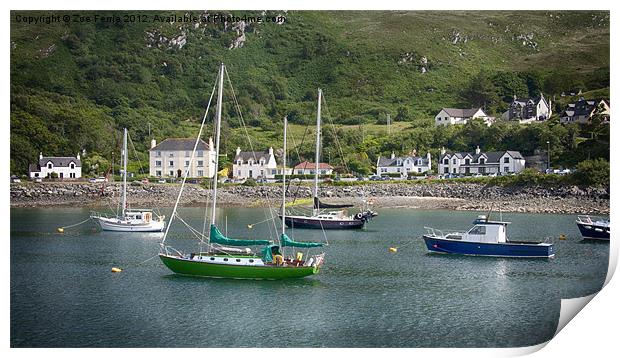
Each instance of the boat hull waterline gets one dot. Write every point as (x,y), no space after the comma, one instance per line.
(188,267)
(523,250)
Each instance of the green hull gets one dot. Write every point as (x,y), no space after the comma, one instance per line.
(207,269)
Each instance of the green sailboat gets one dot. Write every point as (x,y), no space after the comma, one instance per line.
(232,258)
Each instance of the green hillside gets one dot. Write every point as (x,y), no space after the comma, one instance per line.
(75,85)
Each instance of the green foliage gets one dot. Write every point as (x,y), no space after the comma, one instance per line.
(592,173)
(249,182)
(75,86)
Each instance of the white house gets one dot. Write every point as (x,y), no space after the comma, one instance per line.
(527,110)
(403,165)
(307,168)
(171,158)
(449,116)
(255,165)
(481,162)
(64,167)
(583,110)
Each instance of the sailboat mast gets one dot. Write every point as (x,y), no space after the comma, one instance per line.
(284,179)
(218,120)
(124,171)
(318,150)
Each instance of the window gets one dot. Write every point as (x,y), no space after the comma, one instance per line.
(300,172)
(251,260)
(171,163)
(454,161)
(187,163)
(36,175)
(238,172)
(171,173)
(273,171)
(323,171)
(158,163)
(72,175)
(239,162)
(187,153)
(212,258)
(478,230)
(238,260)
(200,153)
(506,169)
(225,259)
(506,160)
(446,170)
(262,162)
(262,173)
(171,155)
(398,170)
(482,161)
(446,161)
(158,154)
(200,173)
(62,175)
(72,166)
(200,162)
(158,173)
(466,161)
(419,170)
(49,165)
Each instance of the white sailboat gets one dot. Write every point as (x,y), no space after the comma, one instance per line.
(129,220)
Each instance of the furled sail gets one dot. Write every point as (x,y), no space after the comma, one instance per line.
(319,205)
(216,237)
(287,241)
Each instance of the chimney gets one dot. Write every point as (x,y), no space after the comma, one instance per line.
(211,144)
(78,156)
(514,97)
(270,151)
(393,156)
(428,157)
(40,155)
(153,143)
(238,151)
(443,150)
(477,149)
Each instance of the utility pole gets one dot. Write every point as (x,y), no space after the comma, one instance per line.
(389,124)
(548,158)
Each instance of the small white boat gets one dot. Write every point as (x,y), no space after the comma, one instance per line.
(135,220)
(593,228)
(140,220)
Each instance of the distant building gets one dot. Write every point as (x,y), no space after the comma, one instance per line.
(527,110)
(171,158)
(307,168)
(64,167)
(583,110)
(403,165)
(449,116)
(257,165)
(481,162)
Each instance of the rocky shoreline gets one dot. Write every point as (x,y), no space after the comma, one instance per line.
(448,195)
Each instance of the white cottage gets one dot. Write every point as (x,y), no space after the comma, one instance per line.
(307,168)
(403,165)
(171,158)
(583,110)
(257,165)
(527,110)
(450,116)
(64,167)
(481,162)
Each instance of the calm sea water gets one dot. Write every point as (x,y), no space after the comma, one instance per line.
(64,295)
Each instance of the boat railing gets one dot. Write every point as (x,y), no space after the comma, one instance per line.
(443,232)
(164,249)
(586,219)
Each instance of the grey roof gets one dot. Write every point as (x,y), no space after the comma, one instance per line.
(60,161)
(492,157)
(582,107)
(256,156)
(461,112)
(391,162)
(34,168)
(178,144)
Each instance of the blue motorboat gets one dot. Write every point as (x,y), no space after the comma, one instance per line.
(593,228)
(485,238)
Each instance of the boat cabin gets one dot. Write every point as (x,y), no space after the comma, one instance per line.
(486,231)
(142,216)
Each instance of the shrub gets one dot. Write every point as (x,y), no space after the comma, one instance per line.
(249,182)
(592,172)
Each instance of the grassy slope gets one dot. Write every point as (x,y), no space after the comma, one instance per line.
(102,77)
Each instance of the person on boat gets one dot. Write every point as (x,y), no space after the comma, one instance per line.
(278,259)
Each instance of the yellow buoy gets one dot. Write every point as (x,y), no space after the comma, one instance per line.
(61,230)
(393,249)
(116,269)
(562,237)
